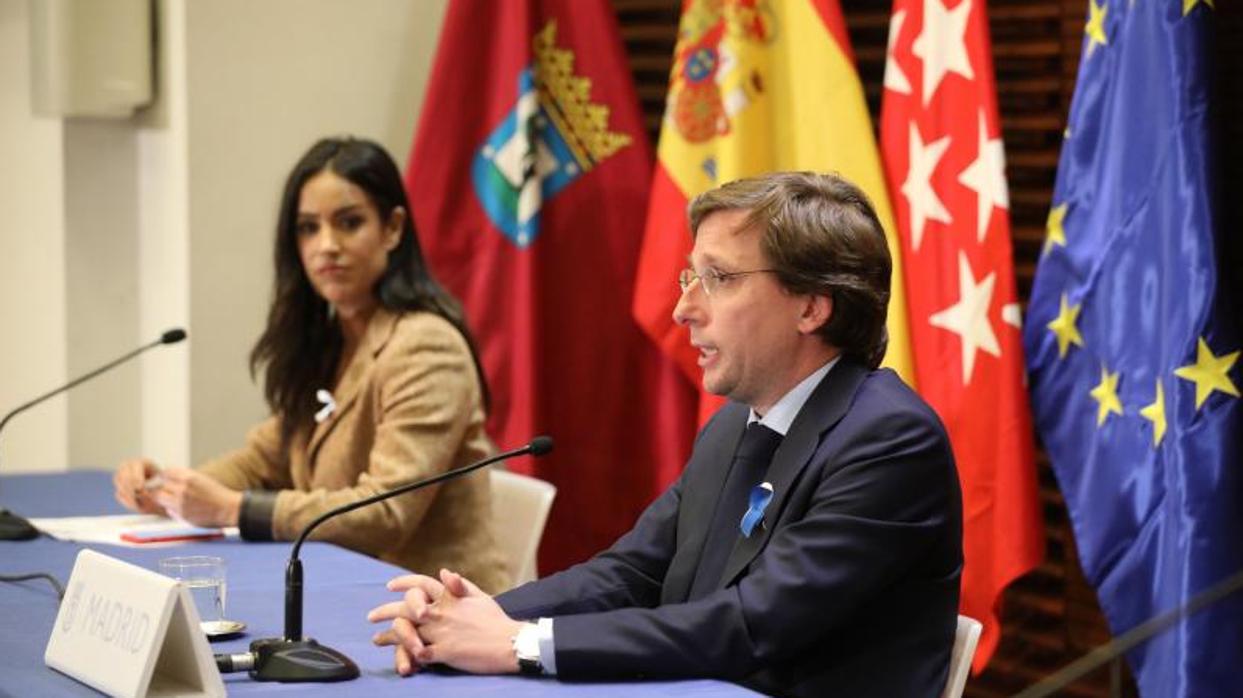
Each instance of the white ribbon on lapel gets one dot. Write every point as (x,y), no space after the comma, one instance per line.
(329,405)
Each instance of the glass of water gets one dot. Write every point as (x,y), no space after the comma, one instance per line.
(204,576)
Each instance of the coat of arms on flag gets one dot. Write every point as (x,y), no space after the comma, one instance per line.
(709,84)
(528,185)
(552,135)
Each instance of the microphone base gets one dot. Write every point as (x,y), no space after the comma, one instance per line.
(14,527)
(297,661)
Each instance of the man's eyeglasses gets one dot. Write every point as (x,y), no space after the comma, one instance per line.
(712,279)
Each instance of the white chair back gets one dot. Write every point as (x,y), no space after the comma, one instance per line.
(520,507)
(965,639)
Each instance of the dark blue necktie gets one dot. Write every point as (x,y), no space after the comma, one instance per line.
(755,451)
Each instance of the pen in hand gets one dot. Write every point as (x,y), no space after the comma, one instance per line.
(153,483)
(148,492)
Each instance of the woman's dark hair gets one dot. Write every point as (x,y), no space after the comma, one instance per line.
(301,345)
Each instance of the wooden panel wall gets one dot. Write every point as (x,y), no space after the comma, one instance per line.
(1051,616)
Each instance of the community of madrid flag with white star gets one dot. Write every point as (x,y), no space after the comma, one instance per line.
(941,140)
(1133,345)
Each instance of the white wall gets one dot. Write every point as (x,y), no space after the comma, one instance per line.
(163,173)
(165,218)
(101,288)
(32,284)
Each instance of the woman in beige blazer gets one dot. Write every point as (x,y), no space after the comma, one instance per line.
(373,381)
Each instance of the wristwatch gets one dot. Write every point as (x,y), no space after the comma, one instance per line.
(526,649)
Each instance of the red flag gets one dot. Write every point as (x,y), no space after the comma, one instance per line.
(528,181)
(941,140)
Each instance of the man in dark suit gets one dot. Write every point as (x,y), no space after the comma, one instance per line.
(812,546)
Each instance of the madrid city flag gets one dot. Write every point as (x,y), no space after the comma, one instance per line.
(1133,342)
(945,161)
(528,179)
(756,86)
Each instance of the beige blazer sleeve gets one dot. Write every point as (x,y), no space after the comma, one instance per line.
(258,465)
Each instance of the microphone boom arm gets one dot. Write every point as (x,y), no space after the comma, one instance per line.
(14,527)
(1137,635)
(418,484)
(80,379)
(294,658)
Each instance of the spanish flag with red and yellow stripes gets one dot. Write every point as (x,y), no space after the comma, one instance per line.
(756,86)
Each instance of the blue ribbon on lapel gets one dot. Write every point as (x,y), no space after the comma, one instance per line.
(761,495)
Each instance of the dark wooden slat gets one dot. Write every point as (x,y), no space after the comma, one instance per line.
(653,63)
(1028,48)
(647,32)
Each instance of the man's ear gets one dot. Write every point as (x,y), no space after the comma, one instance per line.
(392,228)
(817,311)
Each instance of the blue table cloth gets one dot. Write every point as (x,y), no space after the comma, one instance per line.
(340,587)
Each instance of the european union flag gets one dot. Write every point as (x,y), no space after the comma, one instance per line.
(1132,348)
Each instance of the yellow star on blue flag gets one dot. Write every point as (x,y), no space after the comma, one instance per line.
(1135,385)
(1209,373)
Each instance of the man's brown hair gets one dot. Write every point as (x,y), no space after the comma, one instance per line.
(821,236)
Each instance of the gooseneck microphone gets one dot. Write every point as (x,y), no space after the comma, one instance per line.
(1115,648)
(13,527)
(297,659)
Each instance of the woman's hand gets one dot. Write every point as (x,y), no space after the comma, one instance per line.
(129,483)
(197,498)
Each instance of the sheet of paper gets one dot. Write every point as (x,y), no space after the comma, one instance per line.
(108,529)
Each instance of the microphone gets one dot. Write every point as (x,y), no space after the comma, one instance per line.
(14,527)
(296,659)
(1139,634)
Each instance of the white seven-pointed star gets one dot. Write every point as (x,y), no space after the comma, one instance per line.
(987,178)
(1012,314)
(942,44)
(923,200)
(968,318)
(895,79)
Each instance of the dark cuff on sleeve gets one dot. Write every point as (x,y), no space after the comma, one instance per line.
(254,521)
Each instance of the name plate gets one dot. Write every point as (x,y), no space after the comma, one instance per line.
(128,631)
